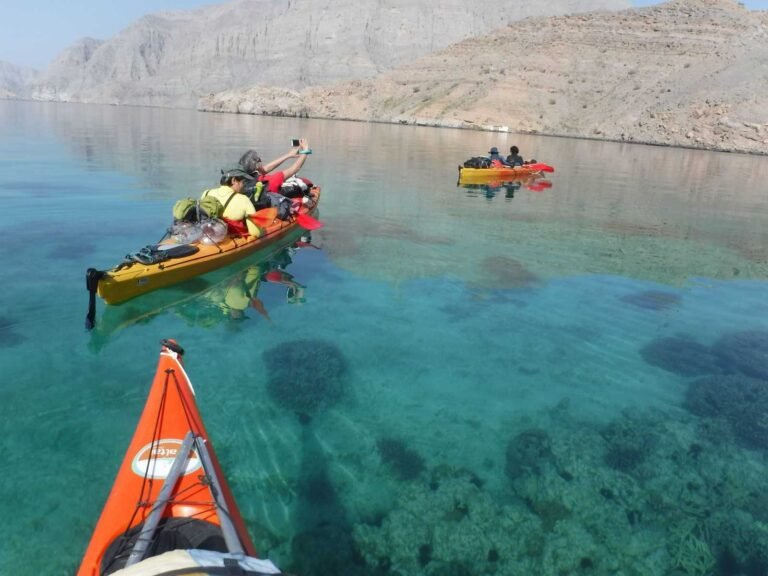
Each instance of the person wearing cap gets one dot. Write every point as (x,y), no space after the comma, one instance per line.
(237,206)
(271,181)
(495,157)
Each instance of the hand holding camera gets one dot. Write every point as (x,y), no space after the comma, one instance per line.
(302,145)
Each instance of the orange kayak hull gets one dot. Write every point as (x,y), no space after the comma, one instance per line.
(169,414)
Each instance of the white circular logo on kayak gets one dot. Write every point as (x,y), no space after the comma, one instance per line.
(156,458)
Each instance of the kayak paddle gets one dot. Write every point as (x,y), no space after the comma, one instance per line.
(307,222)
(540,167)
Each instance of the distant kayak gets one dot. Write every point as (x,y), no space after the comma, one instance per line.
(171,261)
(503,173)
(170,507)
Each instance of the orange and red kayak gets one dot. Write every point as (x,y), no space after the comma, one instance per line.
(503,173)
(169,493)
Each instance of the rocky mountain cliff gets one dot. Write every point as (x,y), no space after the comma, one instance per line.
(173,58)
(684,73)
(687,72)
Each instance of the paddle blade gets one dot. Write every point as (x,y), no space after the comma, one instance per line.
(258,305)
(541,167)
(307,222)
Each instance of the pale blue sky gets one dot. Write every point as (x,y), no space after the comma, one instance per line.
(34,32)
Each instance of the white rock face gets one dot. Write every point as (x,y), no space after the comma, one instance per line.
(683,73)
(173,58)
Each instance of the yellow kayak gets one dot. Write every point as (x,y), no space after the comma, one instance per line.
(179,262)
(502,173)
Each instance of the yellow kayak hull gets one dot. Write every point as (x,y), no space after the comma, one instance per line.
(124,282)
(480,175)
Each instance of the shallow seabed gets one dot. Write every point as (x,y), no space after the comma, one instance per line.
(507,380)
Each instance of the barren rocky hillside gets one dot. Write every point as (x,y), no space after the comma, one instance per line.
(172,58)
(687,72)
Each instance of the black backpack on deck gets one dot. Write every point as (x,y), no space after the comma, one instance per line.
(478,162)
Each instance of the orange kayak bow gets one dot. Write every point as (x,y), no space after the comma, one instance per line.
(169,493)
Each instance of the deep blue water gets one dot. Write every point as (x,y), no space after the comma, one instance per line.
(565,381)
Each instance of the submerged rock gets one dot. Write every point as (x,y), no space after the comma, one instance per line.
(629,443)
(744,352)
(681,355)
(527,453)
(652,300)
(741,401)
(305,375)
(404,462)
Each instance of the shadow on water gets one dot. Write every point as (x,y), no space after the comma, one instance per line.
(325,544)
(306,377)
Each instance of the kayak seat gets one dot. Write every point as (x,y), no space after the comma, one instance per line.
(171,534)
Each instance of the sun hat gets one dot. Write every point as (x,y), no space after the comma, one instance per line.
(235,172)
(494,150)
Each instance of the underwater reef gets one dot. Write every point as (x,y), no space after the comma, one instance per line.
(740,401)
(744,352)
(629,443)
(652,300)
(640,494)
(681,355)
(527,453)
(505,272)
(305,376)
(404,462)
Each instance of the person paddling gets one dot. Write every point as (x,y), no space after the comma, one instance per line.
(496,158)
(514,158)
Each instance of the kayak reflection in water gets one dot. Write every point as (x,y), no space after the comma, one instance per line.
(232,298)
(493,189)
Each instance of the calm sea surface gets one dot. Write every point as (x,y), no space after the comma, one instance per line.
(569,379)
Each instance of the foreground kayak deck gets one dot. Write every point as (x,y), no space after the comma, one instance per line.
(129,280)
(169,492)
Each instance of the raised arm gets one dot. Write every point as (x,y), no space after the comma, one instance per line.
(294,168)
(269,166)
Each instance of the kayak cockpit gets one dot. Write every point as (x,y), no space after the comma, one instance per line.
(200,562)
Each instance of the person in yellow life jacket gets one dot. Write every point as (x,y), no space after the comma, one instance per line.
(237,206)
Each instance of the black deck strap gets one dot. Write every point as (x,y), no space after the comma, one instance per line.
(234,567)
(172,346)
(92,277)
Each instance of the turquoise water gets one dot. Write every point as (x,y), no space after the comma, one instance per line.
(564,381)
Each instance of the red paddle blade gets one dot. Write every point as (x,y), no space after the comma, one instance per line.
(541,167)
(307,222)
